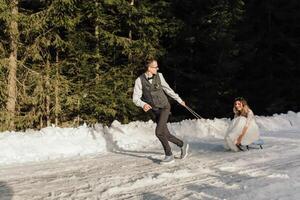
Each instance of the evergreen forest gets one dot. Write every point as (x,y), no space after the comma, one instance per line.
(68,62)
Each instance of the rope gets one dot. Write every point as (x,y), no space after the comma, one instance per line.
(199,117)
(193,112)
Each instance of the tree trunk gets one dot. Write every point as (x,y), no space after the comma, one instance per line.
(47,92)
(57,103)
(12,66)
(78,108)
(41,122)
(130,36)
(97,43)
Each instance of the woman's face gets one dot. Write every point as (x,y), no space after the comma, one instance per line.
(238,105)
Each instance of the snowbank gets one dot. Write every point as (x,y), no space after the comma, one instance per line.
(278,122)
(50,143)
(137,136)
(55,142)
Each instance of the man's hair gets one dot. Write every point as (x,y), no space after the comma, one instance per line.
(148,62)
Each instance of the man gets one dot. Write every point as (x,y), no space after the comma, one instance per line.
(149,93)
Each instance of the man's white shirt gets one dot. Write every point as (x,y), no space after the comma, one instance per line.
(138,92)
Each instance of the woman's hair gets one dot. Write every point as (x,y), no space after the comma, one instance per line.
(245,108)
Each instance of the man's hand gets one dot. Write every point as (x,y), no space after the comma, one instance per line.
(183,104)
(147,107)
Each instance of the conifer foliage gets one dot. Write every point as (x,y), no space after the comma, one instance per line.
(76,60)
(66,62)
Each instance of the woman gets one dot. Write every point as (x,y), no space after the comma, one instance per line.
(243,129)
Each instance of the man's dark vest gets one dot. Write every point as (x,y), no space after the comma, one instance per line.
(153,94)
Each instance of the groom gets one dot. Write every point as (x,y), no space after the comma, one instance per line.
(149,93)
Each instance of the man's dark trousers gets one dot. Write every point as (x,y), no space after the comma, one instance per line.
(160,116)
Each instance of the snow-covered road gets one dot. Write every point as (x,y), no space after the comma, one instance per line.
(208,173)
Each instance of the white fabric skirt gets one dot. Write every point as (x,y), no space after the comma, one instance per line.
(235,130)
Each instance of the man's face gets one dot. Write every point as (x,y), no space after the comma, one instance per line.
(153,67)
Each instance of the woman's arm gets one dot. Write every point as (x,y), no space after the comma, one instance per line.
(250,117)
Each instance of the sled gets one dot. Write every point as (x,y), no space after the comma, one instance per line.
(258,144)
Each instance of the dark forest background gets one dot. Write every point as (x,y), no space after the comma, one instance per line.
(66,62)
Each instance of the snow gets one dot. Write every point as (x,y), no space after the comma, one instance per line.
(50,143)
(121,161)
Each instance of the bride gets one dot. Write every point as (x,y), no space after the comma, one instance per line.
(243,129)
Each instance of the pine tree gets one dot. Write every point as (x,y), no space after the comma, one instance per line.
(201,61)
(269,40)
(3,61)
(43,31)
(10,17)
(123,34)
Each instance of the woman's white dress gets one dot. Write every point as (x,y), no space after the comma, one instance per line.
(235,130)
